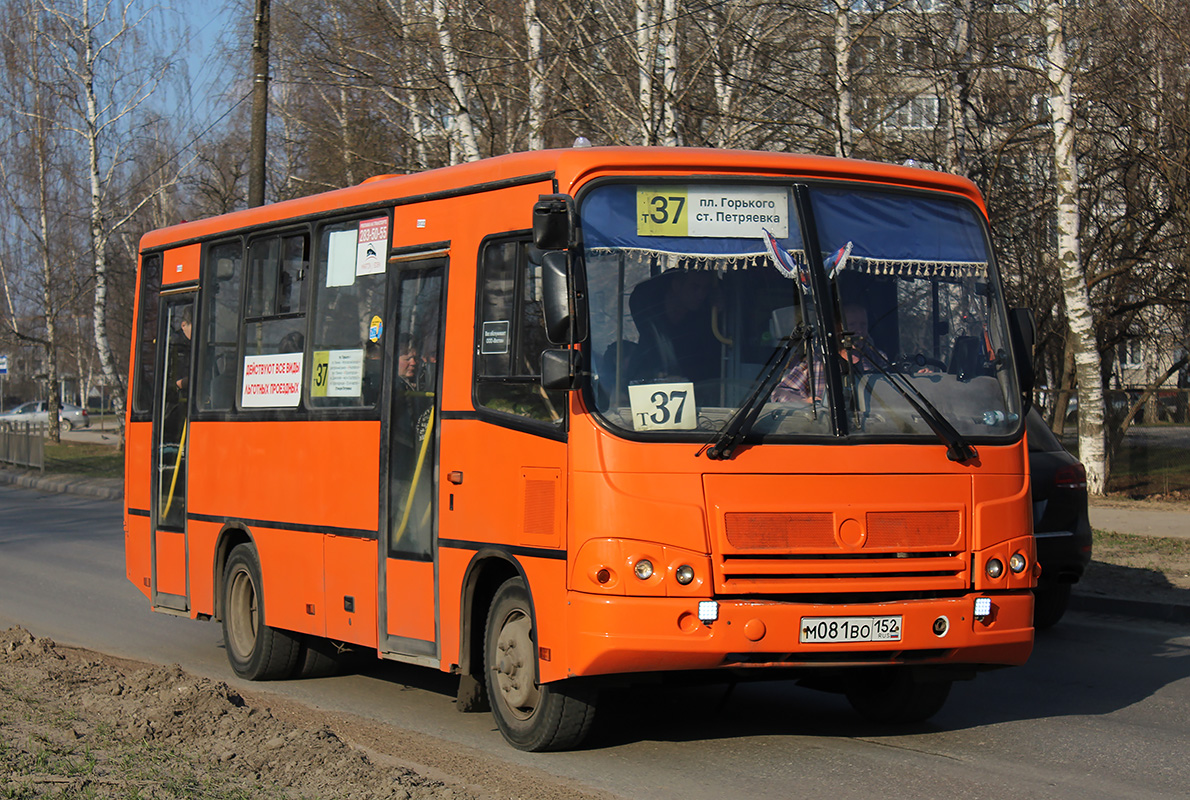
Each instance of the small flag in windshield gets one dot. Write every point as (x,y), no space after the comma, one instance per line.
(835,264)
(781,258)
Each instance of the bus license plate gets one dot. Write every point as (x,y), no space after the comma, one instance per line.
(850,629)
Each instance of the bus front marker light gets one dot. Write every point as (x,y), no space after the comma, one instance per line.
(643,569)
(603,575)
(1017,563)
(995,568)
(708,610)
(983,607)
(684,574)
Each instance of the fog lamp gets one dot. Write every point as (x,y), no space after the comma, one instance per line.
(995,568)
(983,607)
(684,574)
(1017,563)
(708,610)
(643,569)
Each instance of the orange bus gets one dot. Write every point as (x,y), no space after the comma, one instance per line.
(559,420)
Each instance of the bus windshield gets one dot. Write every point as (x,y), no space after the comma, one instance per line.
(707,306)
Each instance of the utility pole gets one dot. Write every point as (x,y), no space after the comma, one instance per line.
(260,104)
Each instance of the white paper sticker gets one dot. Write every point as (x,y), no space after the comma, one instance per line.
(663,407)
(272,381)
(736,212)
(340,265)
(345,373)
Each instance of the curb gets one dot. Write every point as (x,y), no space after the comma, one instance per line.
(101,488)
(1126,607)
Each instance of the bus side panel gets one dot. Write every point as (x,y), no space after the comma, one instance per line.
(512,498)
(410,599)
(351,590)
(137,473)
(204,536)
(292,578)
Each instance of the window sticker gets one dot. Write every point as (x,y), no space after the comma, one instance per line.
(375,328)
(372,247)
(731,212)
(495,338)
(663,407)
(273,381)
(337,373)
(340,265)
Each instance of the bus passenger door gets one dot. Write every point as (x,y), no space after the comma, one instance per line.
(409,466)
(171,417)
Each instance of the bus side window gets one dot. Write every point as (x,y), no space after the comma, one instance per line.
(218,336)
(275,314)
(348,328)
(511,335)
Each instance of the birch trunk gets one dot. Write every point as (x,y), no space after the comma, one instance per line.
(537,91)
(646,51)
(669,73)
(463,131)
(1079,317)
(842,29)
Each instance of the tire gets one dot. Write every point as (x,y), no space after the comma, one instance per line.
(65,426)
(1050,601)
(319,658)
(256,651)
(531,716)
(895,696)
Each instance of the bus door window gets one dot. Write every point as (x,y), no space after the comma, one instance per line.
(412,422)
(175,404)
(146,356)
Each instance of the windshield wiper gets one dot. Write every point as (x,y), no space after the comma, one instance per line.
(957,448)
(729,437)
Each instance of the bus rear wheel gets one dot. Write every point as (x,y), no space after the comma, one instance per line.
(897,696)
(532,716)
(256,651)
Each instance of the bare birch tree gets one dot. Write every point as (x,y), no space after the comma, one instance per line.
(1081,320)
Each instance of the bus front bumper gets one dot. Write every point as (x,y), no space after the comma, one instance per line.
(612,635)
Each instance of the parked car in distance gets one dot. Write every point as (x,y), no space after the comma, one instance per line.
(1061,524)
(38,411)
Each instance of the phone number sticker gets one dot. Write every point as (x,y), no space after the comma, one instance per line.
(663,407)
(737,212)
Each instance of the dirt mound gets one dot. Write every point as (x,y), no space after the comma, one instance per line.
(72,724)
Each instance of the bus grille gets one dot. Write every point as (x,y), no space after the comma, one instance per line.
(816,553)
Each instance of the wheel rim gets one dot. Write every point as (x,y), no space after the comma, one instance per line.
(514,665)
(241,614)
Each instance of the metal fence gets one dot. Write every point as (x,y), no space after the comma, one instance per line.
(22,444)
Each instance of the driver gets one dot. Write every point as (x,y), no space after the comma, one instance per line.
(801,384)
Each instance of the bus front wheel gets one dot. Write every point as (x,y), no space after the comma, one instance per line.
(897,696)
(532,716)
(256,651)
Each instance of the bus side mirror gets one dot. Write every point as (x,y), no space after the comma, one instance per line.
(553,222)
(557,370)
(561,305)
(1022,329)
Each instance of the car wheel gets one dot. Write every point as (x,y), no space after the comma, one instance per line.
(256,651)
(896,696)
(532,716)
(1050,601)
(65,426)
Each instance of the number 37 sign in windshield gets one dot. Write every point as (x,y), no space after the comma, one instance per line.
(736,212)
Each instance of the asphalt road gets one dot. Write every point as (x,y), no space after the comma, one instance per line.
(1102,710)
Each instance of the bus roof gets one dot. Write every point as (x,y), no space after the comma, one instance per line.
(569,168)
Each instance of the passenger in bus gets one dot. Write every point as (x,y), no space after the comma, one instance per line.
(805,382)
(292,342)
(673,312)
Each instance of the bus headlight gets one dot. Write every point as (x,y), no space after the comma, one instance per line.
(1017,563)
(995,568)
(684,574)
(643,569)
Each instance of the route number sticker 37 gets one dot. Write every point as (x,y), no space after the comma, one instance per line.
(663,407)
